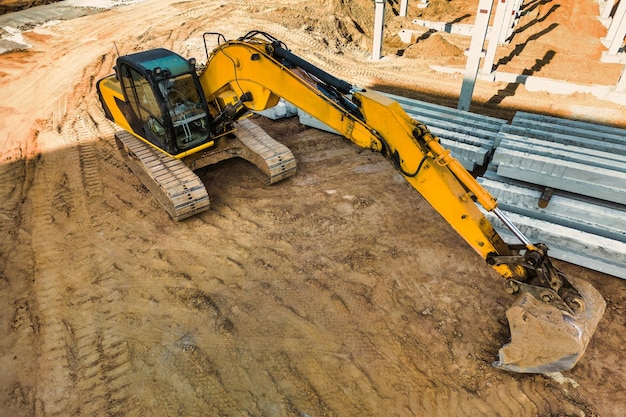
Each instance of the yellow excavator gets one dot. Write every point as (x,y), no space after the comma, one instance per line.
(177,119)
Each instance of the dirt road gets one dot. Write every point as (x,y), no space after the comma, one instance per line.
(338,292)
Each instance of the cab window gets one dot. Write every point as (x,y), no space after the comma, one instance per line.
(143,101)
(189,119)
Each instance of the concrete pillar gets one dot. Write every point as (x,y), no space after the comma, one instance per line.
(621,83)
(404,7)
(608,7)
(475,53)
(618,39)
(494,35)
(616,23)
(379,24)
(510,15)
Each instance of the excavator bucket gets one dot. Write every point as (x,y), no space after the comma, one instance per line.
(547,336)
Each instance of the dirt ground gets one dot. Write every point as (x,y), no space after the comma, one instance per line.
(338,292)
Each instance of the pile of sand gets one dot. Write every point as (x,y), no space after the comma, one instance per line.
(436,49)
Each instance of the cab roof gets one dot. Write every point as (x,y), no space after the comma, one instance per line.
(148,61)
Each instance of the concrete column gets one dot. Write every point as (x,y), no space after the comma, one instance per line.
(508,22)
(475,53)
(621,83)
(618,40)
(608,7)
(404,7)
(616,23)
(518,7)
(379,23)
(494,36)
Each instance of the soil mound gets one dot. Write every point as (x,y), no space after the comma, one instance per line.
(338,24)
(436,49)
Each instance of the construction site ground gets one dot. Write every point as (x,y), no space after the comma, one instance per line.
(338,292)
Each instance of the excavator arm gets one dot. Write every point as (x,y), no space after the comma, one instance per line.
(553,317)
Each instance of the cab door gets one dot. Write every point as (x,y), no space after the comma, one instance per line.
(143,110)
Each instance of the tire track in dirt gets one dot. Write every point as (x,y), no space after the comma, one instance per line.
(286,312)
(18,308)
(54,366)
(192,360)
(111,370)
(82,351)
(452,393)
(300,394)
(293,313)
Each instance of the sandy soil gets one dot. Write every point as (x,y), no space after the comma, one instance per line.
(338,292)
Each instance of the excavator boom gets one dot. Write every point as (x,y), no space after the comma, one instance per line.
(553,317)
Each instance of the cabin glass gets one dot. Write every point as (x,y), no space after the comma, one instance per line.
(144,103)
(186,110)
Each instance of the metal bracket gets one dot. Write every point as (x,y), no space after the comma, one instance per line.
(546,295)
(546,195)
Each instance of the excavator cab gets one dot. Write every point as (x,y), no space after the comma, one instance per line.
(163,100)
